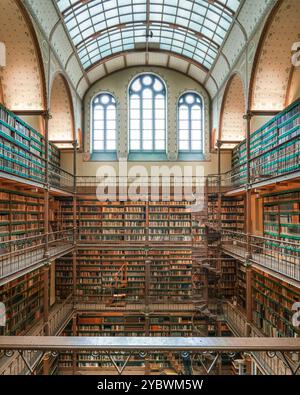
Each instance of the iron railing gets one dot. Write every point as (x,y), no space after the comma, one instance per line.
(270,363)
(277,161)
(21,254)
(19,160)
(120,350)
(275,254)
(27,362)
(60,178)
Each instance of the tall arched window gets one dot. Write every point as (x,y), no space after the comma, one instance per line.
(147,114)
(104,123)
(190,123)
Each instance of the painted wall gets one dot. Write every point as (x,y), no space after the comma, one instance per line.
(35,121)
(259,120)
(90,168)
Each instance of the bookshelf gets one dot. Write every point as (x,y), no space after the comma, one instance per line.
(232,212)
(170,274)
(282,214)
(272,305)
(22,148)
(111,221)
(128,324)
(274,148)
(239,164)
(119,274)
(23,299)
(228,278)
(63,214)
(21,216)
(241,286)
(135,221)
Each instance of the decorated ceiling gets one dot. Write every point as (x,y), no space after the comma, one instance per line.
(193,29)
(200,38)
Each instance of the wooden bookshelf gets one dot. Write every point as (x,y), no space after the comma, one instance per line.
(135,221)
(129,324)
(170,274)
(272,305)
(232,212)
(23,299)
(21,216)
(241,287)
(282,214)
(120,274)
(274,148)
(22,148)
(228,278)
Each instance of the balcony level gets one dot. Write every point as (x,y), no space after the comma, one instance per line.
(278,257)
(28,254)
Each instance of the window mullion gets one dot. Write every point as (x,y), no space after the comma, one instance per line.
(105,127)
(190,128)
(141,119)
(153,121)
(93,130)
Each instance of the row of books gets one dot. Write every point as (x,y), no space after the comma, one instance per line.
(274,148)
(99,271)
(22,149)
(231,212)
(23,301)
(282,219)
(272,303)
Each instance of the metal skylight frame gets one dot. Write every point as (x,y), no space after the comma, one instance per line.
(195,29)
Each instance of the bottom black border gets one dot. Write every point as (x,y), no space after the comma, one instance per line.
(132,384)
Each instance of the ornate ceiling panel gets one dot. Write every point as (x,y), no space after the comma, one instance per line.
(272,71)
(193,29)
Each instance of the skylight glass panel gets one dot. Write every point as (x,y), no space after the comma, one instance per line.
(117,25)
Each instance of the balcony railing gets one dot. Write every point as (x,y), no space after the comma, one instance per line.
(21,254)
(18,159)
(124,349)
(275,254)
(284,159)
(26,363)
(269,363)
(61,179)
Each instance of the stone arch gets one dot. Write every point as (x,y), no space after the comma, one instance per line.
(232,124)
(61,124)
(270,77)
(23,79)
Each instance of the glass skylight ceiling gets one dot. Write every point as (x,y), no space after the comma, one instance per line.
(194,29)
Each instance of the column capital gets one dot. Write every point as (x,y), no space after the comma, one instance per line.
(218,143)
(47,115)
(47,264)
(248,115)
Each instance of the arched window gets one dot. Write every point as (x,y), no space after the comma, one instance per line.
(190,123)
(104,123)
(147,114)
